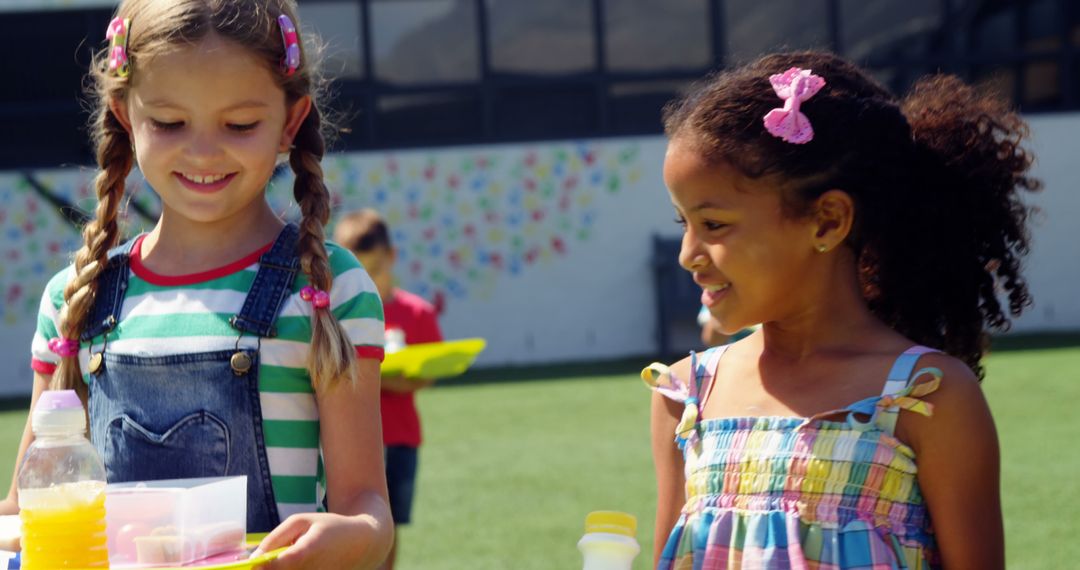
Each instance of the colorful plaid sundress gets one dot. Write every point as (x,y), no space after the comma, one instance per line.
(834,491)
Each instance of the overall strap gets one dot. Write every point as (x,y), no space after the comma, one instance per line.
(272,285)
(109,300)
(900,378)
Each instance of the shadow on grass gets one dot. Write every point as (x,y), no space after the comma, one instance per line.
(11,403)
(1035,341)
(532,372)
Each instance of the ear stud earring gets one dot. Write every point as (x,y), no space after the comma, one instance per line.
(822,248)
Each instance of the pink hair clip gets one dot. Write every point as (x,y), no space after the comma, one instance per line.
(64,347)
(117,34)
(290,62)
(318,299)
(794,86)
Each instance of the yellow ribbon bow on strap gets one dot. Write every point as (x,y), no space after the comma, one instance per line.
(659,377)
(908,398)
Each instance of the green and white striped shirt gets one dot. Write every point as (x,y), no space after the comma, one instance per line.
(166,315)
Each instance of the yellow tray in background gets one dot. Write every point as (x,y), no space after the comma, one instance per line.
(433,360)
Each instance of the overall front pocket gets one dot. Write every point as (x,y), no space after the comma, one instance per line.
(195,446)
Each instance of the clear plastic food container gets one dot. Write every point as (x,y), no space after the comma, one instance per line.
(173,522)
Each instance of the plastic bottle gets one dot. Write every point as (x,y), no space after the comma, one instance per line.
(395,340)
(62,489)
(609,542)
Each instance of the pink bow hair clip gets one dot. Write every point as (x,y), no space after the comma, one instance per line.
(794,86)
(117,34)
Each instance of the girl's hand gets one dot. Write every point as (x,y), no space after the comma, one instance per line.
(324,540)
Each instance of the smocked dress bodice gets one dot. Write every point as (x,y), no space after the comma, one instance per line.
(834,491)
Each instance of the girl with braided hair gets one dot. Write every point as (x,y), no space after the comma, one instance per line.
(877,240)
(224,341)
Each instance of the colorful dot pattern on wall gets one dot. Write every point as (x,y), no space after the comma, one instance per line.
(462,220)
(38,239)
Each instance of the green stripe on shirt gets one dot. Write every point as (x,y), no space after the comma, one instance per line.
(293,488)
(291,433)
(282,379)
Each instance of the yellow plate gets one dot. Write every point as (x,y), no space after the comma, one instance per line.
(433,360)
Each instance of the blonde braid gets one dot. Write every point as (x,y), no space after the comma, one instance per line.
(115,159)
(332,355)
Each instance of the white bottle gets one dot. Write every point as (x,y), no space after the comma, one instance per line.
(609,542)
(395,340)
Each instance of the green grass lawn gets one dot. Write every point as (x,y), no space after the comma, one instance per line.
(508,470)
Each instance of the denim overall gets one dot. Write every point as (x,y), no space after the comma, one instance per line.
(188,415)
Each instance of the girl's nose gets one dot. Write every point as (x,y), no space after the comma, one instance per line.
(204,146)
(692,255)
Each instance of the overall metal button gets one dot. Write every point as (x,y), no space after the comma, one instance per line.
(95,362)
(241,363)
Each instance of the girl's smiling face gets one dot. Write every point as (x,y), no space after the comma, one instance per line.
(755,264)
(208,123)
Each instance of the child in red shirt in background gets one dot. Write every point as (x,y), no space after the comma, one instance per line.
(365,233)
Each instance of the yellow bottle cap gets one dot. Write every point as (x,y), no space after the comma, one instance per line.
(612,522)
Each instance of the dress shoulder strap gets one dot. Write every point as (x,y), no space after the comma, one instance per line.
(705,371)
(899,381)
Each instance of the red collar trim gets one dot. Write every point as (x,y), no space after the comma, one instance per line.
(145,274)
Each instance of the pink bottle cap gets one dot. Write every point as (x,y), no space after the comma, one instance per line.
(58,400)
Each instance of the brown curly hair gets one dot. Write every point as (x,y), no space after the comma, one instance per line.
(940,227)
(157,27)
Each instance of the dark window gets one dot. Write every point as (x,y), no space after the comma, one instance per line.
(1074,25)
(1042,27)
(635,107)
(546,111)
(41,105)
(873,31)
(756,27)
(1075,78)
(657,35)
(1042,85)
(541,37)
(993,28)
(51,52)
(428,118)
(46,140)
(440,72)
(339,25)
(900,79)
(425,41)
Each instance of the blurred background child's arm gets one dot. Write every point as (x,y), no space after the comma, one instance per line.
(402,384)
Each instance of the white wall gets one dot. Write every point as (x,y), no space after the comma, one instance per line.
(1053,267)
(588,296)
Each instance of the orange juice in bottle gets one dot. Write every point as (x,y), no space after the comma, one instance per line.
(62,489)
(64,526)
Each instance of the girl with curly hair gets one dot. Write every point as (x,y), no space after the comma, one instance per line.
(877,240)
